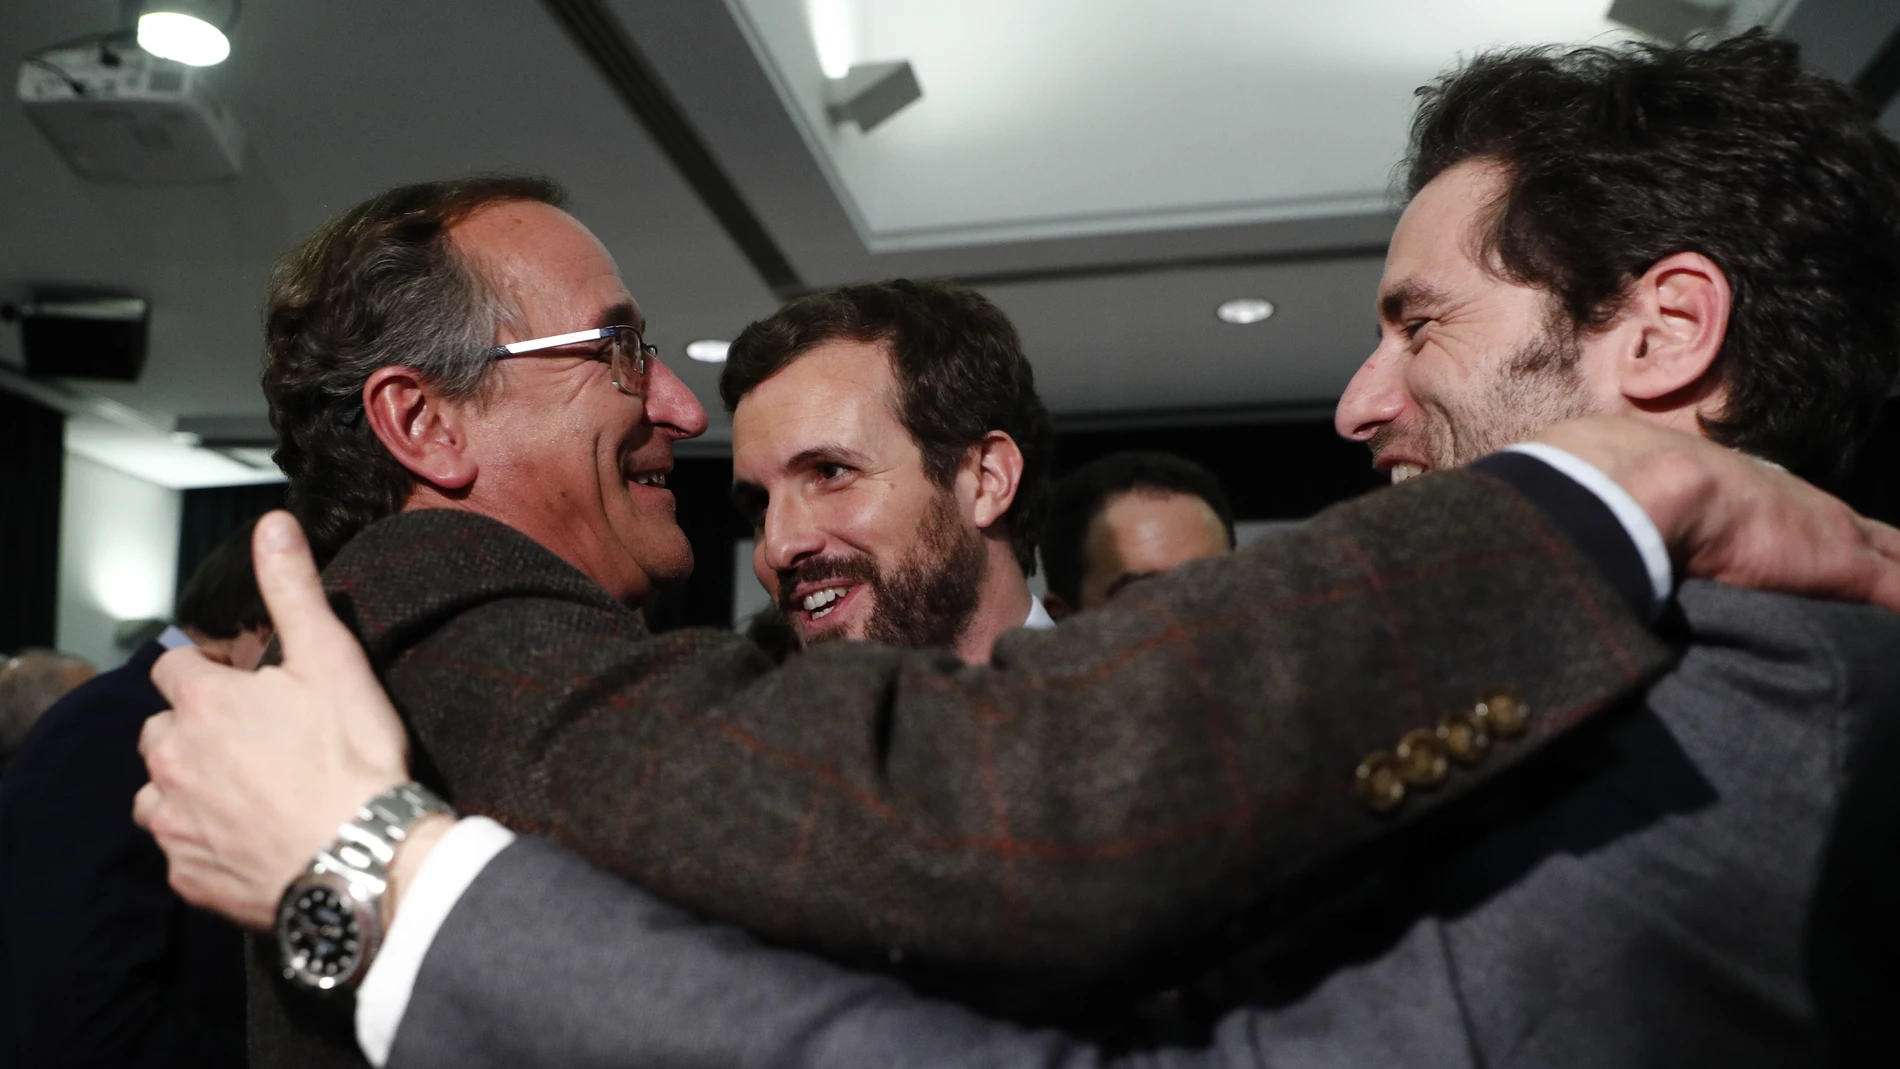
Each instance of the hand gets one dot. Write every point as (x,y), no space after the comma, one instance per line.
(253,773)
(1730,518)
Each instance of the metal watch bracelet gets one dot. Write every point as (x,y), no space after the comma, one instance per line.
(331,919)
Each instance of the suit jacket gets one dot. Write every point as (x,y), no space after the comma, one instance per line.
(1854,935)
(1641,901)
(1098,797)
(100,963)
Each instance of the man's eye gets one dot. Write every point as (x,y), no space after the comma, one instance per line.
(1411,329)
(828,472)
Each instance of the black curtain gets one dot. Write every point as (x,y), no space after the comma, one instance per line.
(32,470)
(214,513)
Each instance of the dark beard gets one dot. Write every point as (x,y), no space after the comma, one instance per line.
(927,600)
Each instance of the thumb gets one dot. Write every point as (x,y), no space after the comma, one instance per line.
(310,634)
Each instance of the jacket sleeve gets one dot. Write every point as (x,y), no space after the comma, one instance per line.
(548,962)
(1101,793)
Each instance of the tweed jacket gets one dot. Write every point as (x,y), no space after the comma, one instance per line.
(1098,797)
(1640,901)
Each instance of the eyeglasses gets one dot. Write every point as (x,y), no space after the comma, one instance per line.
(627,356)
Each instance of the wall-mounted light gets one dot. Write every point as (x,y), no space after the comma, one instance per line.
(708,350)
(871,93)
(191,32)
(1244,310)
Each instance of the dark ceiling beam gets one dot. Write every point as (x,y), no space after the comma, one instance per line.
(602,38)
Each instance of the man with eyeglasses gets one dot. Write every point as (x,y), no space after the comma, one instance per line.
(477,442)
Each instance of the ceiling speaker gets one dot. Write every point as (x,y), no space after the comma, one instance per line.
(84,337)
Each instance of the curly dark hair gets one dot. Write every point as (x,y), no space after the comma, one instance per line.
(379,285)
(960,374)
(1616,158)
(1078,496)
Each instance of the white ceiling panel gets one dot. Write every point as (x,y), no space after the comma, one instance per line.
(1075,117)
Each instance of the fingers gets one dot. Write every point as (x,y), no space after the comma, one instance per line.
(175,670)
(1884,539)
(153,731)
(145,805)
(293,593)
(1883,545)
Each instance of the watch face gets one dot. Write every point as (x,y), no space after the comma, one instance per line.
(321,934)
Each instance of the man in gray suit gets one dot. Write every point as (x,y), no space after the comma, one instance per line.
(1638,900)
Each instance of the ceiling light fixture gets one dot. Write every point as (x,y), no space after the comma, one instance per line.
(1244,310)
(184,30)
(708,350)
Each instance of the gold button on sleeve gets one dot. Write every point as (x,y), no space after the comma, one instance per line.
(1464,738)
(1421,758)
(1502,714)
(1379,783)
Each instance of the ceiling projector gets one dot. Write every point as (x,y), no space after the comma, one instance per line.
(130,117)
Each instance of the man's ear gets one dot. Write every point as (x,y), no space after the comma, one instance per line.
(997,463)
(1679,309)
(424,431)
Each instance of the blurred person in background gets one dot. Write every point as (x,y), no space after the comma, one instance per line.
(30,682)
(101,964)
(1125,517)
(891,453)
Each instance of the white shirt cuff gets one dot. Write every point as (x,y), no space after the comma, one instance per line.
(1642,530)
(459,856)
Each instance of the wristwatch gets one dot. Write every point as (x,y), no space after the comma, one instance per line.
(330,921)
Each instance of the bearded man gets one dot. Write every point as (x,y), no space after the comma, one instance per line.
(891,453)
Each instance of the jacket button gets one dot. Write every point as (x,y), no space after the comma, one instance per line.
(1421,758)
(1502,715)
(1463,738)
(1379,782)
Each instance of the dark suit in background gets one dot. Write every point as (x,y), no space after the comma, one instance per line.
(1103,795)
(100,963)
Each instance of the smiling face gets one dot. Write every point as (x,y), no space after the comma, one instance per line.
(1467,362)
(854,540)
(561,455)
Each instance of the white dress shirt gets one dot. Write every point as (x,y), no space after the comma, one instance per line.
(467,848)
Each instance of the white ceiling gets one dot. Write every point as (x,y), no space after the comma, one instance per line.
(1069,157)
(1093,116)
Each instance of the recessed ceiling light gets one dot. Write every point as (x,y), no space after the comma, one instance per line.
(708,350)
(178,31)
(1244,310)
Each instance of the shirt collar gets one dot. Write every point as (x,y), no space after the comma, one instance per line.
(173,637)
(1039,618)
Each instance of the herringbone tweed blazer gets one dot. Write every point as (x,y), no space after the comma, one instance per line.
(1099,794)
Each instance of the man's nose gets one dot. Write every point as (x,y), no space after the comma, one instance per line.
(789,536)
(670,403)
(1372,399)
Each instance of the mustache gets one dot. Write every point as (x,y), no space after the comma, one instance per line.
(1382,440)
(857,569)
